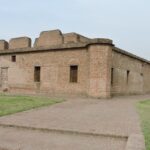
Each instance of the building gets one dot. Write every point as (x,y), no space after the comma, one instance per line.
(66,64)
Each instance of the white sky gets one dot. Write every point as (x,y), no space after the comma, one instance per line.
(126,22)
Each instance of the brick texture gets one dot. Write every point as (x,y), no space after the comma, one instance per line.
(55,52)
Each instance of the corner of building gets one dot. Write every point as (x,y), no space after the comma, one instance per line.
(100,59)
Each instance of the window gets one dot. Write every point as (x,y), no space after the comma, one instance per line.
(74,73)
(13,58)
(112,76)
(128,72)
(37,72)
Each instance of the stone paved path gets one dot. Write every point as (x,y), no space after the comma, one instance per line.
(115,117)
(35,140)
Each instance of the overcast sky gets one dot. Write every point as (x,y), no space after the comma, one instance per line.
(127,22)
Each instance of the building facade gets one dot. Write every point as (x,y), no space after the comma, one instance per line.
(71,64)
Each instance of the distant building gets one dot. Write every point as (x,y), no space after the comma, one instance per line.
(66,64)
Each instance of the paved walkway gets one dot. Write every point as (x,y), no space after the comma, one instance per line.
(14,139)
(114,117)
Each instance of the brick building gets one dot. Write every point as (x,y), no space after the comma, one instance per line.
(63,64)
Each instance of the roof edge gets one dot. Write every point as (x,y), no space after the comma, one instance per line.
(130,54)
(57,47)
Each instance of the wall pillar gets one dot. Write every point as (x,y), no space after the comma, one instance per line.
(100,58)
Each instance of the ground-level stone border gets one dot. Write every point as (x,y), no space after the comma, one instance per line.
(135,142)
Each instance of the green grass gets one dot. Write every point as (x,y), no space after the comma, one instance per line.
(14,104)
(144,111)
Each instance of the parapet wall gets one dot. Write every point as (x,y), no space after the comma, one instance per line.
(74,38)
(3,45)
(22,42)
(48,39)
(55,39)
(45,39)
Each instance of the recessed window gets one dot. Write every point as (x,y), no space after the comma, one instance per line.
(13,58)
(74,73)
(112,76)
(128,73)
(37,73)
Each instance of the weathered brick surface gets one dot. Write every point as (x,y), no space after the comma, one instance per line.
(54,71)
(56,52)
(3,45)
(21,42)
(139,75)
(99,70)
(71,38)
(74,38)
(48,38)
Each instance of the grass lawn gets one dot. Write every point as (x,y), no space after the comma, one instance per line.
(144,111)
(14,104)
